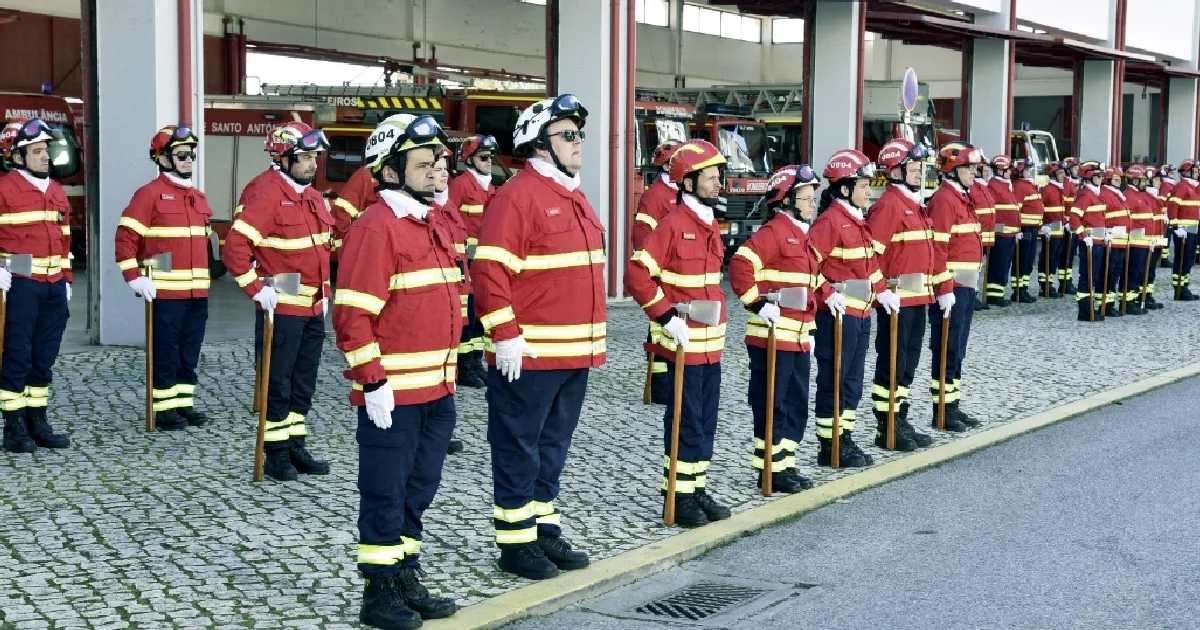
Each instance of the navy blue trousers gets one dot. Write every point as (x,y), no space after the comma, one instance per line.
(33,330)
(178,335)
(697,424)
(792,371)
(856,336)
(961,316)
(295,357)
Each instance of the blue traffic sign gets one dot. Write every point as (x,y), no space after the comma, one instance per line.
(908,91)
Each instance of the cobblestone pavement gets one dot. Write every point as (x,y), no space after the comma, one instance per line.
(126,530)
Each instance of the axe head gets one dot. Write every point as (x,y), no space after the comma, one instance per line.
(1119,230)
(910,282)
(1000,228)
(1190,229)
(1098,232)
(19,264)
(707,312)
(1138,233)
(858,289)
(1056,226)
(790,297)
(159,262)
(967,278)
(287,283)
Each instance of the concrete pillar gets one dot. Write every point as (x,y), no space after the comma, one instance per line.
(1096,111)
(989,106)
(1181,120)
(584,69)
(137,58)
(1139,145)
(835,81)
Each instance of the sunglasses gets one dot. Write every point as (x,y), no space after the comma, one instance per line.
(483,158)
(185,155)
(570,135)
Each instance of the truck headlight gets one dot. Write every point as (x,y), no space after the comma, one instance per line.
(733,228)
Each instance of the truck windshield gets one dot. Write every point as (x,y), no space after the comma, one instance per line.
(1043,148)
(656,132)
(745,148)
(64,152)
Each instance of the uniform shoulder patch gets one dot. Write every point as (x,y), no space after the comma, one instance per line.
(689,236)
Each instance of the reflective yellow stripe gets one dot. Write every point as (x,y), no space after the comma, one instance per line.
(412,546)
(651,265)
(246,278)
(559,261)
(304,242)
(566,331)
(347,206)
(30,216)
(470,209)
(750,255)
(647,219)
(850,253)
(516,536)
(914,235)
(127,264)
(133,224)
(496,318)
(759,330)
(247,230)
(358,299)
(363,355)
(689,281)
(962,228)
(685,468)
(420,380)
(750,296)
(425,277)
(790,277)
(417,360)
(658,295)
(549,349)
(500,255)
(517,515)
(380,554)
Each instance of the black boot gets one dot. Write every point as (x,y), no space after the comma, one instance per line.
(384,607)
(1152,303)
(783,482)
(848,444)
(419,599)
(1026,297)
(804,482)
(168,420)
(904,443)
(713,510)
(981,306)
(527,561)
(16,434)
(1054,294)
(305,463)
(1133,308)
(953,424)
(848,457)
(559,551)
(1114,310)
(921,439)
(279,466)
(468,373)
(455,446)
(192,417)
(1071,288)
(962,417)
(1187,296)
(42,433)
(998,301)
(688,512)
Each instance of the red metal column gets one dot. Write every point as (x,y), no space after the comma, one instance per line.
(968,55)
(614,138)
(1118,84)
(551,47)
(1011,72)
(630,127)
(862,71)
(184,15)
(806,94)
(1164,91)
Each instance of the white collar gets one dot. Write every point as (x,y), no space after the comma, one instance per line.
(440,198)
(1095,189)
(1030,180)
(854,212)
(703,212)
(907,193)
(1056,183)
(549,171)
(666,179)
(957,186)
(1151,190)
(179,181)
(1003,181)
(402,205)
(1116,191)
(1191,181)
(296,186)
(800,224)
(1075,180)
(274,166)
(985,180)
(41,183)
(484,179)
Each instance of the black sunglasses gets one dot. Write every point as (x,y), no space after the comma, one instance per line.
(185,155)
(483,158)
(570,135)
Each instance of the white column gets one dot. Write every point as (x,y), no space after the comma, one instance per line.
(834,121)
(1096,112)
(1181,120)
(137,56)
(989,101)
(1140,139)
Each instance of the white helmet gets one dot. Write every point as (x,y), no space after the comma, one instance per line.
(393,137)
(531,124)
(384,136)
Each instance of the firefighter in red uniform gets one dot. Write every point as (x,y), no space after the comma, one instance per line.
(468,194)
(959,252)
(1025,191)
(34,220)
(1144,213)
(169,215)
(985,209)
(1157,201)
(1087,216)
(1054,225)
(903,236)
(1183,210)
(286,228)
(778,257)
(656,202)
(359,192)
(846,253)
(398,319)
(538,275)
(1008,214)
(1070,190)
(451,223)
(1117,225)
(680,262)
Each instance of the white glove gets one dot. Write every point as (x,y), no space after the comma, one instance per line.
(325,307)
(1087,240)
(68,291)
(770,313)
(889,301)
(945,302)
(380,404)
(5,279)
(1108,236)
(1180,233)
(1020,236)
(267,298)
(1046,230)
(836,304)
(678,329)
(508,357)
(144,287)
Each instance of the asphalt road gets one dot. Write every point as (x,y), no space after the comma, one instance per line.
(1091,523)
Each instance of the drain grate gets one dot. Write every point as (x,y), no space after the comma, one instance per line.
(700,601)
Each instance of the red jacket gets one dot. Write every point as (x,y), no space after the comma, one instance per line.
(166,217)
(451,224)
(1087,212)
(467,198)
(252,187)
(656,202)
(1008,207)
(985,209)
(357,195)
(957,235)
(1055,204)
(285,232)
(539,273)
(1184,207)
(1145,214)
(680,262)
(1026,193)
(1158,205)
(1117,214)
(1167,187)
(775,257)
(396,313)
(33,222)
(1070,190)
(904,235)
(845,251)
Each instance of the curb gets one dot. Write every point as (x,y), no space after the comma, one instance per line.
(545,597)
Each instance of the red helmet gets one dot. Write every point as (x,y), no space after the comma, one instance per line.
(693,156)
(1001,162)
(789,178)
(899,151)
(1020,164)
(664,152)
(1055,167)
(1187,165)
(23,132)
(477,143)
(1111,172)
(170,137)
(958,154)
(1069,162)
(1089,169)
(848,163)
(295,136)
(1137,171)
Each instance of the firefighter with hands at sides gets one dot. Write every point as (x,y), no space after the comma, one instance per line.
(286,228)
(656,202)
(903,236)
(1170,177)
(538,276)
(1183,210)
(1088,213)
(778,257)
(34,220)
(845,251)
(1154,199)
(985,209)
(959,250)
(468,194)
(1070,190)
(1025,190)
(359,192)
(1008,214)
(169,215)
(1053,257)
(451,223)
(397,317)
(1145,215)
(679,262)
(1117,225)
